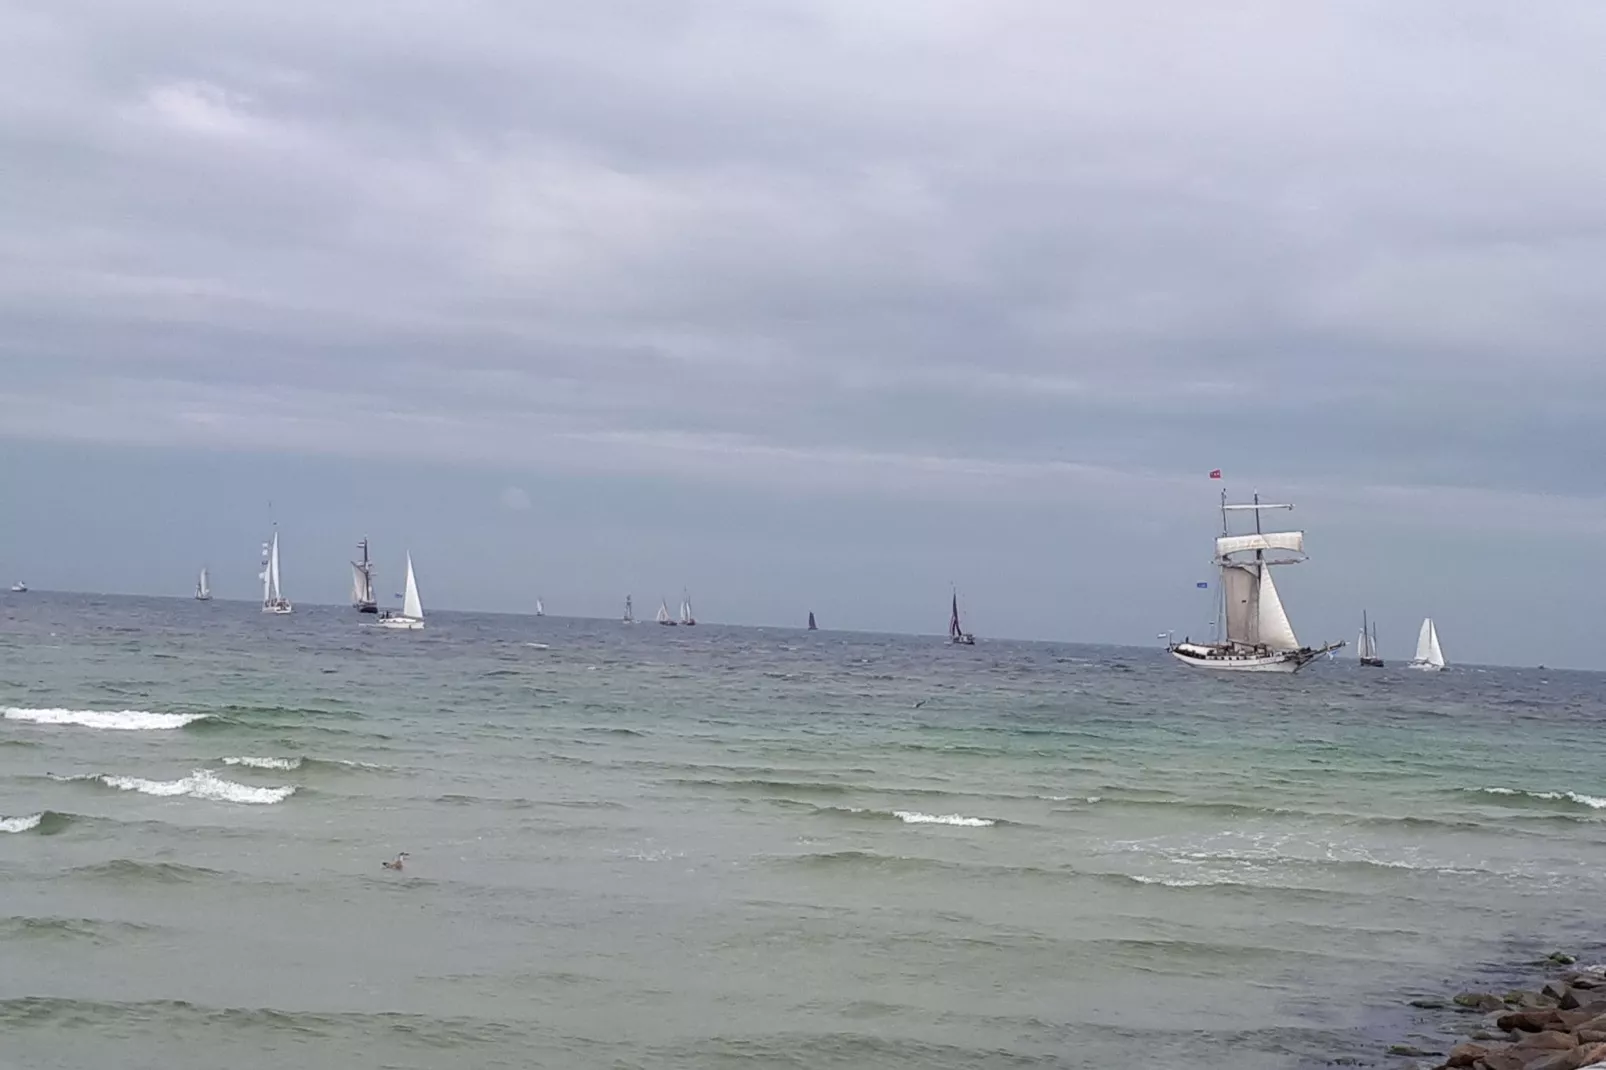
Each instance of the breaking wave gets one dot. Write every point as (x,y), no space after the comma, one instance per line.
(265,763)
(1594,802)
(914,817)
(118,720)
(45,823)
(201,784)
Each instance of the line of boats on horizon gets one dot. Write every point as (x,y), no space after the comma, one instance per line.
(1252,630)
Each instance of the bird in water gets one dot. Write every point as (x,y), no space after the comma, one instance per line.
(397,864)
(919,704)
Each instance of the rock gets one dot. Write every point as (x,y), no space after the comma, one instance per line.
(1561,958)
(1592,1055)
(1590,1036)
(1465,1055)
(1429,1004)
(1528,999)
(1561,1060)
(1409,1052)
(1556,990)
(1583,997)
(1579,1019)
(1549,1040)
(1501,1060)
(1530,1021)
(1480,1001)
(1585,980)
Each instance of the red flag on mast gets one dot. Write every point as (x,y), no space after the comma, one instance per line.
(1215,473)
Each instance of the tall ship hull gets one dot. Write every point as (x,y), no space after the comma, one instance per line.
(1255,632)
(362,582)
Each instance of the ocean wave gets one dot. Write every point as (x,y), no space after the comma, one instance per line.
(201,784)
(118,720)
(1594,802)
(125,870)
(45,823)
(264,763)
(915,817)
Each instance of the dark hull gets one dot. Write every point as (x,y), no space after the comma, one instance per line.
(1372,663)
(368,607)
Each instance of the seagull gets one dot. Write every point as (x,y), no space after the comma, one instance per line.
(396,864)
(919,704)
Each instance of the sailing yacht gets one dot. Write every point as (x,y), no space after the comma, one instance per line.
(685,610)
(812,626)
(1258,636)
(1367,646)
(630,613)
(273,599)
(362,582)
(411,618)
(19,588)
(540,610)
(203,589)
(956,634)
(1429,656)
(663,614)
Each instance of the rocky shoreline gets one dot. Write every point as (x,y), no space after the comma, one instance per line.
(1560,1025)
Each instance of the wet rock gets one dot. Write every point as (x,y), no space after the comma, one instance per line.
(1549,1040)
(1428,1003)
(1556,990)
(1579,1019)
(1409,1052)
(1501,1060)
(1530,1021)
(1528,999)
(1463,1055)
(1581,998)
(1480,1001)
(1561,958)
(1585,980)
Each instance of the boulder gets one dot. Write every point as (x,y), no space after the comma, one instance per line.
(1559,1060)
(1578,999)
(1561,958)
(1529,1021)
(1549,1040)
(1556,990)
(1584,1018)
(1464,1055)
(1479,1001)
(1592,1055)
(1502,1060)
(1408,1051)
(1590,1036)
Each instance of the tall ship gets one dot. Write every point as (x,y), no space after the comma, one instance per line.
(1366,646)
(1429,655)
(362,582)
(630,612)
(1253,632)
(686,616)
(663,614)
(273,599)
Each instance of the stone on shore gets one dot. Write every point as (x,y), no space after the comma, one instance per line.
(1480,1001)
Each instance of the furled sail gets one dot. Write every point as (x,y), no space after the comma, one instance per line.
(1271,540)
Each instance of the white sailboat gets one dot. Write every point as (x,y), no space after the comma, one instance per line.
(1367,645)
(663,613)
(630,613)
(540,610)
(362,582)
(686,617)
(411,618)
(19,588)
(1258,635)
(1429,655)
(273,599)
(956,633)
(203,588)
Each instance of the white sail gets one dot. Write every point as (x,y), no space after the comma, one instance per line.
(273,570)
(266,577)
(359,586)
(411,606)
(540,610)
(1425,641)
(1363,648)
(663,612)
(1240,585)
(1271,540)
(203,589)
(685,609)
(1275,630)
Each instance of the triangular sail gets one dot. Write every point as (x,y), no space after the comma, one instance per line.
(685,609)
(411,606)
(663,610)
(1426,641)
(1275,630)
(203,589)
(812,626)
(540,610)
(953,619)
(1435,652)
(1361,650)
(273,570)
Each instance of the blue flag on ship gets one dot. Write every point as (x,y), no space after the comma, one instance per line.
(1201,585)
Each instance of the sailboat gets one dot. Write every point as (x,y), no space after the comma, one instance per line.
(685,610)
(1258,636)
(812,626)
(19,588)
(362,582)
(1429,656)
(630,613)
(956,634)
(1366,646)
(273,599)
(540,610)
(203,589)
(411,618)
(663,614)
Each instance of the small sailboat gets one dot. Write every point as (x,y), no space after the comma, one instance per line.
(203,588)
(273,599)
(362,582)
(540,610)
(663,614)
(1259,637)
(957,634)
(411,618)
(630,613)
(19,588)
(812,626)
(1367,646)
(1429,655)
(686,617)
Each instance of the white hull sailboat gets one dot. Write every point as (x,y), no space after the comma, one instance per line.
(540,610)
(1367,645)
(362,582)
(663,614)
(812,626)
(957,634)
(1258,636)
(273,599)
(1429,655)
(411,618)
(19,588)
(686,617)
(630,612)
(203,588)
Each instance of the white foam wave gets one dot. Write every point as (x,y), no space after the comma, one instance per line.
(20,824)
(914,817)
(264,763)
(1594,802)
(201,784)
(120,720)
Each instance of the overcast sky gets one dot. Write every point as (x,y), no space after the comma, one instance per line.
(815,304)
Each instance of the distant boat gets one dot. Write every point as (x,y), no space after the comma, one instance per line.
(1367,645)
(1259,637)
(812,626)
(411,618)
(540,610)
(273,599)
(19,588)
(663,613)
(203,589)
(686,617)
(630,613)
(362,582)
(1429,655)
(956,634)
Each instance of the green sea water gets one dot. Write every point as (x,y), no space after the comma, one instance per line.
(730,847)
